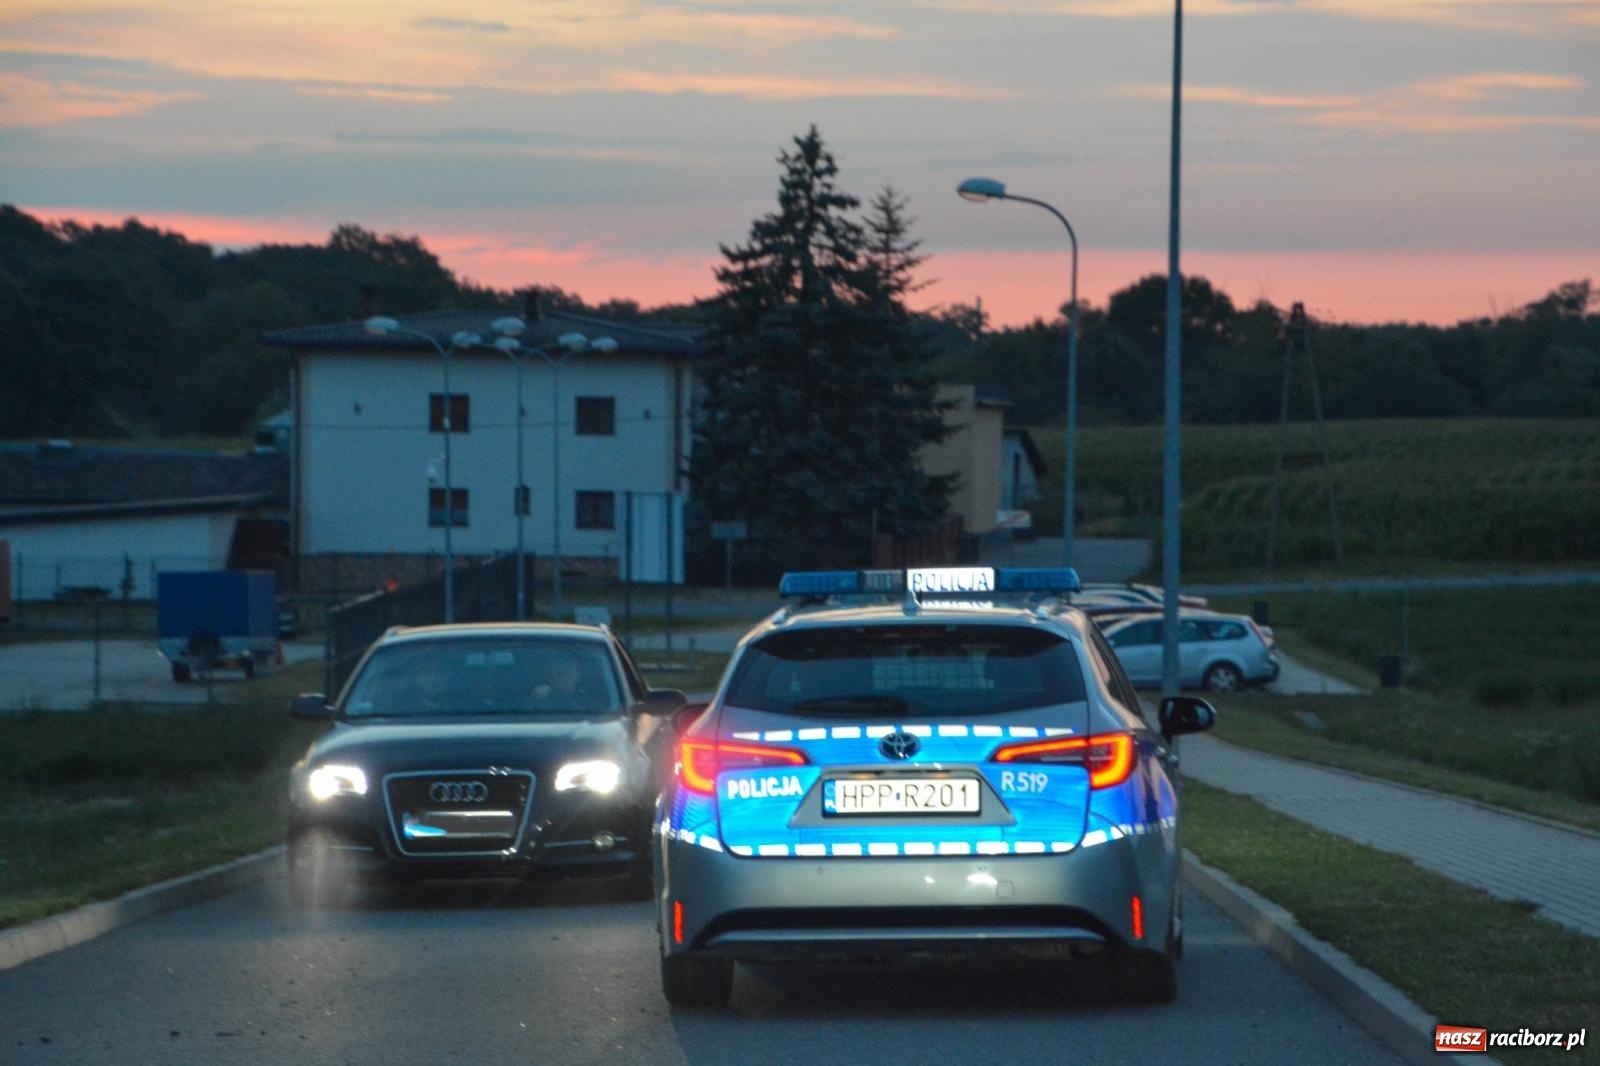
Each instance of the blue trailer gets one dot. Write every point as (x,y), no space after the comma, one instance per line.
(216,618)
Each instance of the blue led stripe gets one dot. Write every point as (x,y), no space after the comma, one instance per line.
(819,582)
(1037,579)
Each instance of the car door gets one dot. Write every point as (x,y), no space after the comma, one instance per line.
(1138,648)
(652,733)
(1196,649)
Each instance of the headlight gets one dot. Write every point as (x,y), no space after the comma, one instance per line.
(599,775)
(328,781)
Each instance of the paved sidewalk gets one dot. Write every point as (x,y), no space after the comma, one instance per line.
(1295,678)
(1507,855)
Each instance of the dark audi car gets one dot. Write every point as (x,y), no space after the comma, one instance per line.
(492,750)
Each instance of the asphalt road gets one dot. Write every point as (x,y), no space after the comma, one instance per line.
(484,974)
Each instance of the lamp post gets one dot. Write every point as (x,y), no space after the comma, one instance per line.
(978,190)
(381,326)
(1170,531)
(567,345)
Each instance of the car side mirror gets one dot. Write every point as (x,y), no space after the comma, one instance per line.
(311,706)
(664,700)
(1185,714)
(686,716)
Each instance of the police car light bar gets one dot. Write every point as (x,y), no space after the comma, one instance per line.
(931,580)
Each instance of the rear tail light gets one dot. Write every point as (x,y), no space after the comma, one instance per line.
(1109,756)
(700,761)
(1137,907)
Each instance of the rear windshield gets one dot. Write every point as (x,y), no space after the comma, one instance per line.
(486,675)
(926,670)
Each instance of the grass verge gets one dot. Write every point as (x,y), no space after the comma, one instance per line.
(1278,725)
(1461,955)
(94,805)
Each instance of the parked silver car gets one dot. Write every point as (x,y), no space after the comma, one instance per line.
(1217,652)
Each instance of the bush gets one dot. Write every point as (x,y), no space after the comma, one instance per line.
(1503,689)
(1568,687)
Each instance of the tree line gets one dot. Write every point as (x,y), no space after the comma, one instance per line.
(134,331)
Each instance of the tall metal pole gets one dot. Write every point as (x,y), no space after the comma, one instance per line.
(1170,485)
(520,504)
(1069,476)
(555,480)
(449,503)
(1069,505)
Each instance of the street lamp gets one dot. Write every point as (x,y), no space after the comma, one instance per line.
(382,326)
(978,190)
(567,345)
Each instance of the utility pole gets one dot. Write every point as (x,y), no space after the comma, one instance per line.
(1297,334)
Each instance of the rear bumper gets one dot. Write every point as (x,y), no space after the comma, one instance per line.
(754,908)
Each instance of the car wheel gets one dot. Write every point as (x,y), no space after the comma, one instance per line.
(314,882)
(1144,976)
(1139,976)
(181,673)
(696,980)
(1222,677)
(639,884)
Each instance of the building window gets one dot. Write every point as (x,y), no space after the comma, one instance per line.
(458,507)
(597,510)
(460,413)
(597,416)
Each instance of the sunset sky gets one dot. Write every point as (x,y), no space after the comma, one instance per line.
(1377,159)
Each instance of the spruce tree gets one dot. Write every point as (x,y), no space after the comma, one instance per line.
(816,394)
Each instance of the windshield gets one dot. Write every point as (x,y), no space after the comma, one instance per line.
(486,675)
(926,670)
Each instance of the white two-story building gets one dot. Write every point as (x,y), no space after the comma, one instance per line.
(370,489)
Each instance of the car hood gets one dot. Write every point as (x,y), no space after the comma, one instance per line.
(469,743)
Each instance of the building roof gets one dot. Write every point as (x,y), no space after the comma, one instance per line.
(61,474)
(59,514)
(633,340)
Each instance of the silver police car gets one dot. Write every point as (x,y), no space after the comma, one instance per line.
(921,761)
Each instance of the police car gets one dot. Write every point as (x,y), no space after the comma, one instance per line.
(921,761)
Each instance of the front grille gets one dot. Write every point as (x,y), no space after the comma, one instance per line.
(458,812)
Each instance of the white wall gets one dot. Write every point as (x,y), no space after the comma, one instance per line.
(91,552)
(369,452)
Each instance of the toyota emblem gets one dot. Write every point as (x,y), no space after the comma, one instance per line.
(458,792)
(899,746)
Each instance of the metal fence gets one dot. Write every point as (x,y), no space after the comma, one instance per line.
(484,592)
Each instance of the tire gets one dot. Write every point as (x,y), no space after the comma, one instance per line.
(1144,976)
(181,673)
(697,980)
(639,884)
(1222,677)
(314,883)
(1139,976)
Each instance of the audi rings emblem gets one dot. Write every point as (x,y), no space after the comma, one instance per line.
(458,792)
(899,745)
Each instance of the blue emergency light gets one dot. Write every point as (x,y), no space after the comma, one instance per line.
(964,581)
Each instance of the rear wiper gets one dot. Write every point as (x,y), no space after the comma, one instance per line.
(853,705)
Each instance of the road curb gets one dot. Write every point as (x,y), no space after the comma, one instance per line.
(61,931)
(1376,1005)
